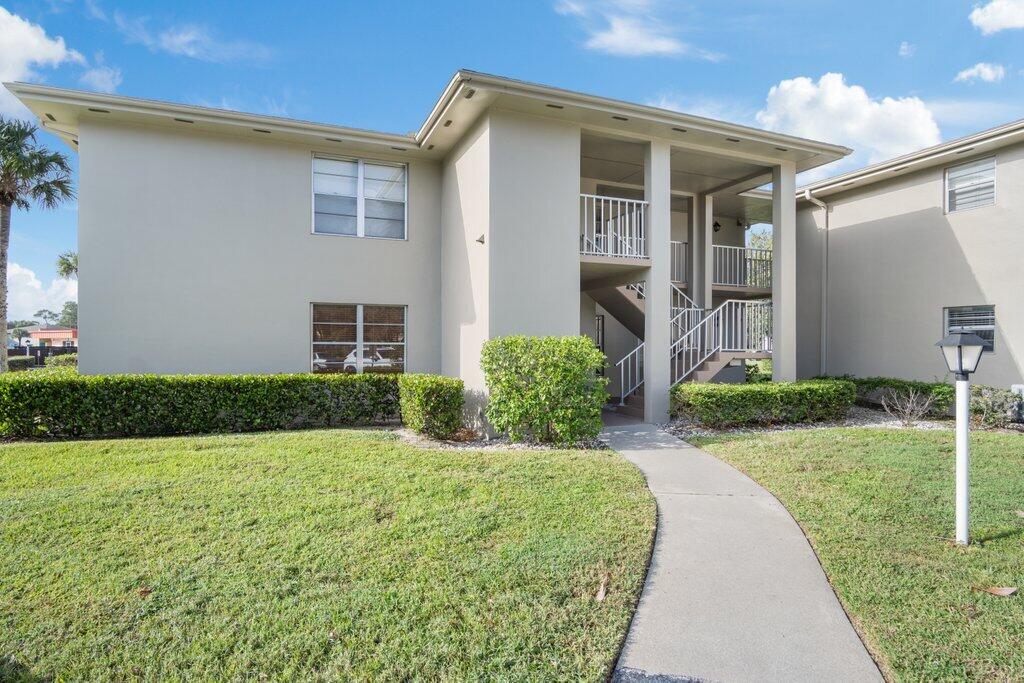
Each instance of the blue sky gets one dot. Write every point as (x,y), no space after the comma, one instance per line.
(881,77)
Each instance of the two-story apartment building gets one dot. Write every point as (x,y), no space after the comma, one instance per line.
(514,209)
(894,256)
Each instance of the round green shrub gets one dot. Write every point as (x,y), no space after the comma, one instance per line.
(545,389)
(431,404)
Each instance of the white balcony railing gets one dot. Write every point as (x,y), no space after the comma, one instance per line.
(680,261)
(610,226)
(737,326)
(742,267)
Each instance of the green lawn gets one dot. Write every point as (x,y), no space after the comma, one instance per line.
(877,505)
(315,555)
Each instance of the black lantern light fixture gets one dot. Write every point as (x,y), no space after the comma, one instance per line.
(962,352)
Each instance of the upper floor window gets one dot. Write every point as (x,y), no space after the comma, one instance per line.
(359,198)
(979,320)
(971,185)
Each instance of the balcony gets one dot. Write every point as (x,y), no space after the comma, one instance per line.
(612,227)
(742,268)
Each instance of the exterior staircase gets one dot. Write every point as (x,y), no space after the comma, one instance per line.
(703,342)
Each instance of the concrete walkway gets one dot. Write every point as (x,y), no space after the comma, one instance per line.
(734,591)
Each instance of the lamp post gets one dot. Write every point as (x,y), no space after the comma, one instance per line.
(962,353)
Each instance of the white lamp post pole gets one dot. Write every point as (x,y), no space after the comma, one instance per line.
(963,458)
(962,353)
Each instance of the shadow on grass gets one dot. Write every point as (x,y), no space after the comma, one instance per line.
(1011,532)
(16,672)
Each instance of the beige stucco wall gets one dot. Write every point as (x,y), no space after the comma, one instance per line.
(197,255)
(465,274)
(534,241)
(896,259)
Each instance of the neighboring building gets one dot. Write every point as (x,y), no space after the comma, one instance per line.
(52,335)
(928,243)
(515,208)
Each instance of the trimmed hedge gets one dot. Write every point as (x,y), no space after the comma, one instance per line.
(732,405)
(431,404)
(20,363)
(64,360)
(64,403)
(872,389)
(545,389)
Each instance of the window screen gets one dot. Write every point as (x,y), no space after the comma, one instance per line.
(358,338)
(358,198)
(971,185)
(979,320)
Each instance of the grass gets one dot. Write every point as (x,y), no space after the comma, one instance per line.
(877,505)
(318,555)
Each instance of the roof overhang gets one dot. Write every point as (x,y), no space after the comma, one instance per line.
(977,144)
(467,95)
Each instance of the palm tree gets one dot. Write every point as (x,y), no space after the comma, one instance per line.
(67,265)
(28,173)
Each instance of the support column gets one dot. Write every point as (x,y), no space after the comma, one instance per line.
(707,245)
(784,272)
(657,304)
(701,220)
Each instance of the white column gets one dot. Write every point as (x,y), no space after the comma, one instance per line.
(784,272)
(963,460)
(657,304)
(701,231)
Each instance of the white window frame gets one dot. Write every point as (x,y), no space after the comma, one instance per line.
(360,198)
(945,184)
(359,332)
(970,328)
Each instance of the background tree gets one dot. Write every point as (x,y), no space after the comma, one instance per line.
(67,265)
(11,324)
(69,314)
(29,174)
(19,333)
(47,316)
(760,237)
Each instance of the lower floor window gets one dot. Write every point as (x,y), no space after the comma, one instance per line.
(979,320)
(358,338)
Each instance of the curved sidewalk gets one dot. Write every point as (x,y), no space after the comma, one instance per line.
(734,591)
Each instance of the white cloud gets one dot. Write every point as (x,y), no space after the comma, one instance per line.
(26,294)
(101,78)
(629,28)
(24,47)
(188,40)
(998,15)
(834,111)
(982,71)
(907,49)
(94,11)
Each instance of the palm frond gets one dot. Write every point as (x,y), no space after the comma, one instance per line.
(29,172)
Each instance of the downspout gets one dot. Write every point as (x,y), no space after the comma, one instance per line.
(824,284)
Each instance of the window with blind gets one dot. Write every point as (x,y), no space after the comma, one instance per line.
(358,338)
(971,185)
(979,320)
(358,198)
